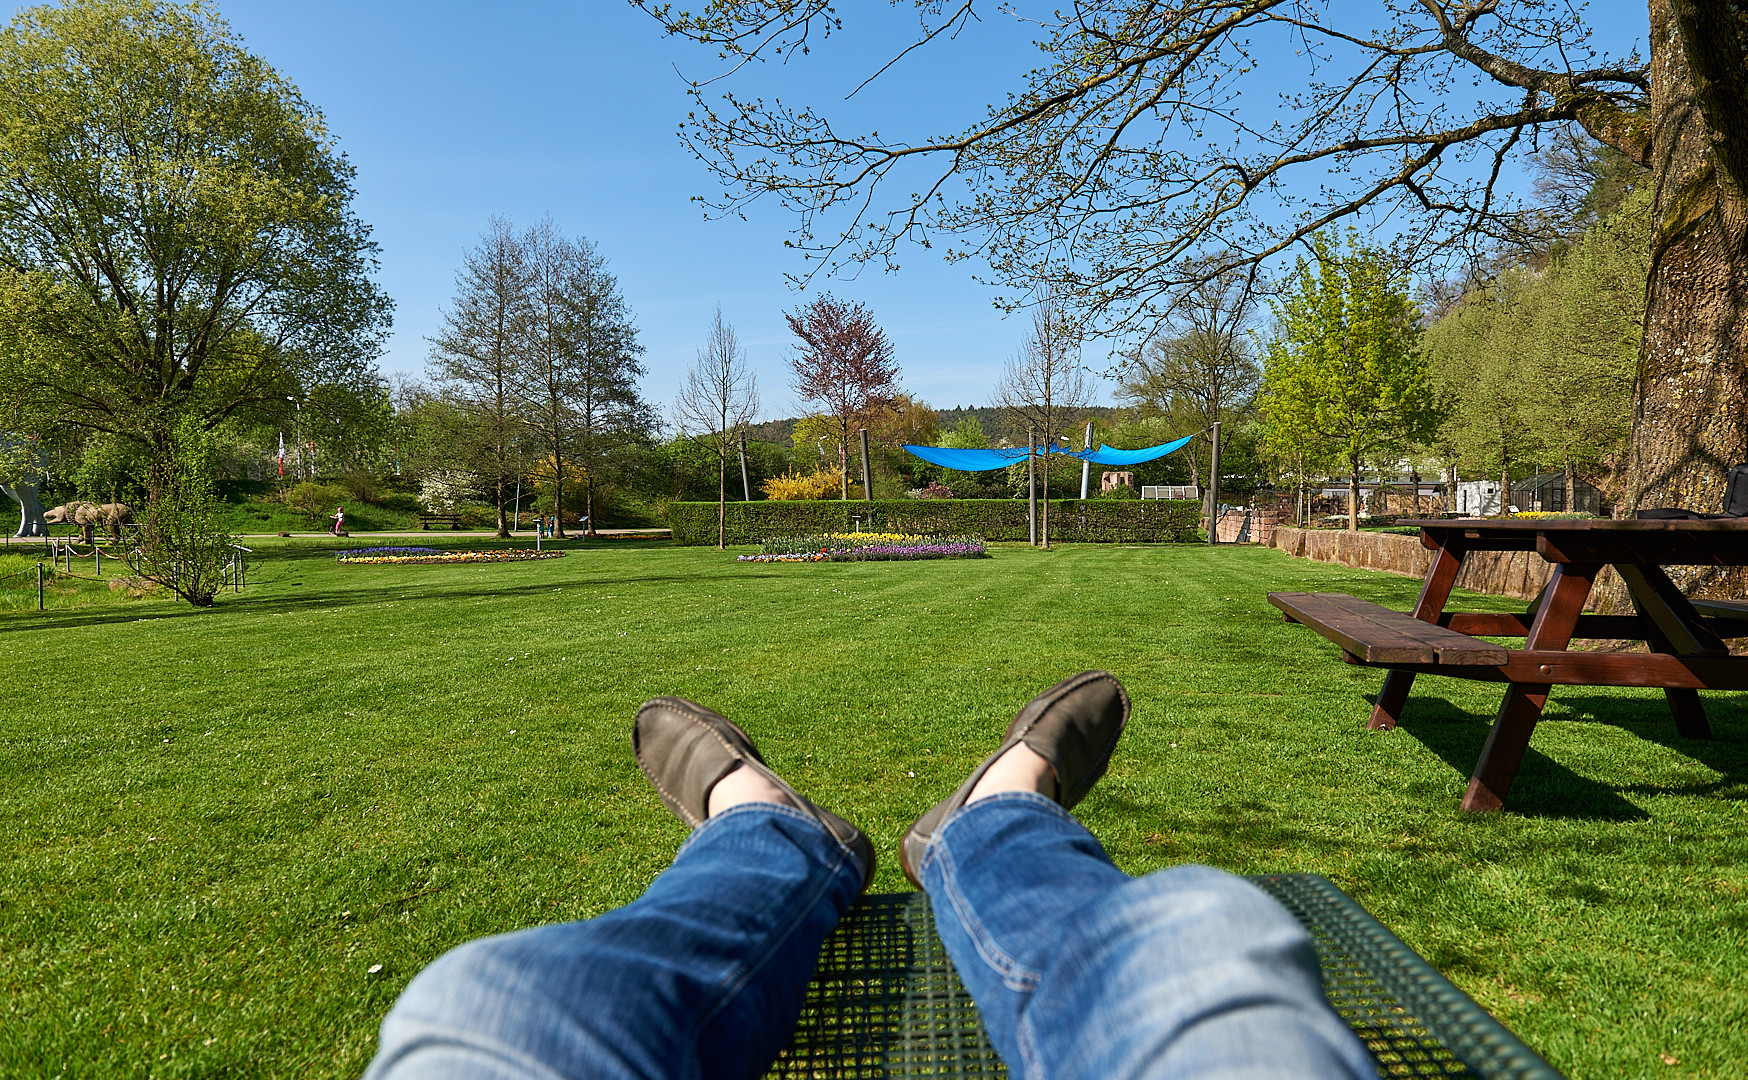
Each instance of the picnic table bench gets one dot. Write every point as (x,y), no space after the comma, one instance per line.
(885,1000)
(1685,637)
(451,520)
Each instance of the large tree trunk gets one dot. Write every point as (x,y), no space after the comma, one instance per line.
(1690,405)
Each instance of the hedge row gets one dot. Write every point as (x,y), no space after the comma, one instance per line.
(1098,521)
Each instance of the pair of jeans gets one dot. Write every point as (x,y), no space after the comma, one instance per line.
(1078,969)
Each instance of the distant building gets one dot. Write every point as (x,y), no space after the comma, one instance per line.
(1170,491)
(1477,498)
(1547,492)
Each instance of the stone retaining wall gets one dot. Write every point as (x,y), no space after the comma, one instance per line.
(1502,573)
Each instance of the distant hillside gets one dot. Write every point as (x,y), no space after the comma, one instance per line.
(994,420)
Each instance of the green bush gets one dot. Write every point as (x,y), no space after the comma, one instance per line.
(1103,521)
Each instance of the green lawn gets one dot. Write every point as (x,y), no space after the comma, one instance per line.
(214,824)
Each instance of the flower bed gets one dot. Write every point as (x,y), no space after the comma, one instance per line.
(354,553)
(866,547)
(432,556)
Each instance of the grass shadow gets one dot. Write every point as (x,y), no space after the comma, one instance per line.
(1543,787)
(1648,718)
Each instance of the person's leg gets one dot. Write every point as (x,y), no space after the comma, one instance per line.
(702,976)
(1081,970)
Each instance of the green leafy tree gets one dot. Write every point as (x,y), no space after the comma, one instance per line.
(1345,373)
(1483,356)
(176,232)
(184,544)
(1539,363)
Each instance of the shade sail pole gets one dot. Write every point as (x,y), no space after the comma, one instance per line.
(1032,486)
(1214,488)
(1085,465)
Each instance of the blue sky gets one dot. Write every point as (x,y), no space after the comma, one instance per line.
(454,112)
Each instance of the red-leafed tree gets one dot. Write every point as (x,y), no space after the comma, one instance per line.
(844,363)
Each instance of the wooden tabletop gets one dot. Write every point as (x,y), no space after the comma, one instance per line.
(1657,542)
(1632,525)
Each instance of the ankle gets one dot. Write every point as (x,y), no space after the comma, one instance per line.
(742,785)
(1020,768)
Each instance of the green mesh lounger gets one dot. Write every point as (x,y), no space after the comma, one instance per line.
(886,1002)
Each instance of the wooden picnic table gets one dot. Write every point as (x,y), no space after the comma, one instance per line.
(1685,637)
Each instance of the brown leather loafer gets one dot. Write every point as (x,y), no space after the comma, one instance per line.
(685,749)
(1074,726)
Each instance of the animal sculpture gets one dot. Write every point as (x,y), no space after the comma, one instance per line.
(90,515)
(21,469)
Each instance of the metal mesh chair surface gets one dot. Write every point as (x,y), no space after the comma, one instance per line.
(886,1002)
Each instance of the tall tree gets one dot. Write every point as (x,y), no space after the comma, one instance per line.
(609,413)
(1201,370)
(1539,362)
(1044,384)
(476,361)
(1345,370)
(1483,357)
(717,400)
(1136,145)
(177,238)
(845,364)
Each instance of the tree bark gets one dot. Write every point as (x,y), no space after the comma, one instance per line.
(721,501)
(1690,402)
(1353,497)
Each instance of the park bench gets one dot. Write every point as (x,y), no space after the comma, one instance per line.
(1377,635)
(451,520)
(885,1000)
(1731,614)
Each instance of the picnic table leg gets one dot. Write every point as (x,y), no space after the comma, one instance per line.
(1668,613)
(1556,618)
(1440,576)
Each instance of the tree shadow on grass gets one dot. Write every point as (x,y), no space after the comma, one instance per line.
(232,604)
(1543,787)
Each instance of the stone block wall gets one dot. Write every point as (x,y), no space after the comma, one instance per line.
(1502,573)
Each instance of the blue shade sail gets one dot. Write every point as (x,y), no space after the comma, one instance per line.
(952,457)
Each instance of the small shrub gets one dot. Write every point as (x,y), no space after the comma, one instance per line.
(315,500)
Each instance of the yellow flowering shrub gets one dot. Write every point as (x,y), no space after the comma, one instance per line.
(794,486)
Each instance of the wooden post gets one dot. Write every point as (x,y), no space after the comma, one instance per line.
(1214,487)
(39,584)
(746,489)
(867,477)
(1509,737)
(1031,487)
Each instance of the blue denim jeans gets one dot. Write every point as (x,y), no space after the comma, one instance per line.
(1079,970)
(701,976)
